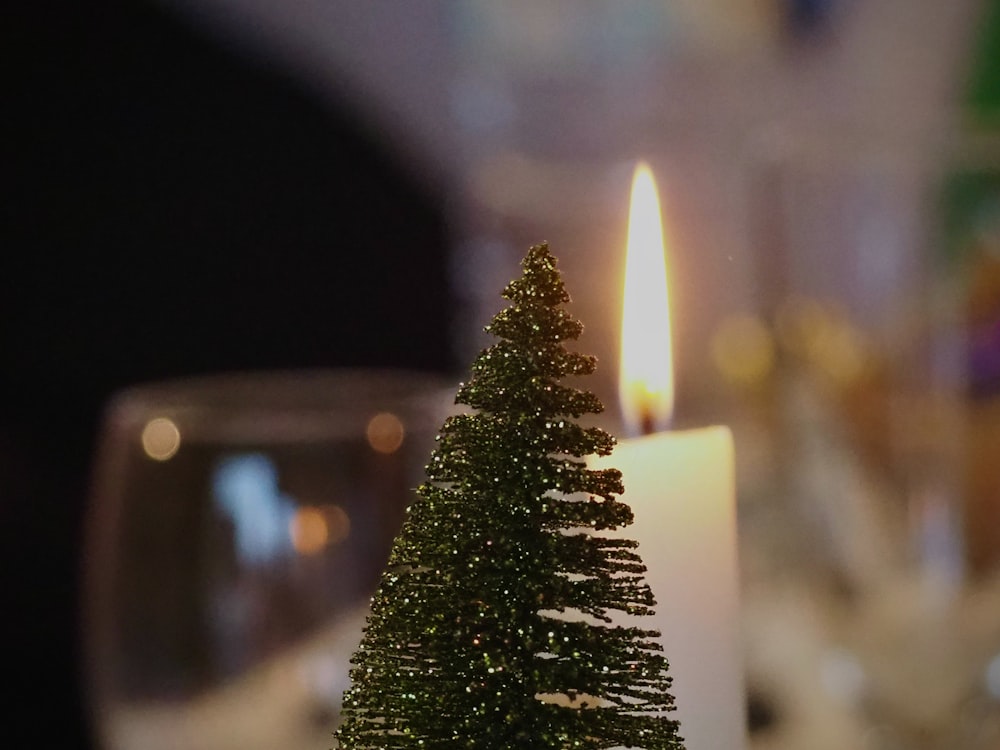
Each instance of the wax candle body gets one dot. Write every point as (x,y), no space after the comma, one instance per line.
(681,488)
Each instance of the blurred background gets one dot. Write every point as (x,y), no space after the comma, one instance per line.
(208,186)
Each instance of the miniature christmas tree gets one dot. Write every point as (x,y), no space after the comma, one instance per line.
(490,627)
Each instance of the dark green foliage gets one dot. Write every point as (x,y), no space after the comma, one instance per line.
(490,628)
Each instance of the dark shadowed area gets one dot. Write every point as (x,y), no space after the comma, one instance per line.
(172,207)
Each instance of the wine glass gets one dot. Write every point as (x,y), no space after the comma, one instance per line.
(238,526)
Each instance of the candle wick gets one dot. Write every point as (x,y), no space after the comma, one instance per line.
(647,425)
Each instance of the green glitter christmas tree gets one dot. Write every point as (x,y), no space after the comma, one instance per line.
(490,627)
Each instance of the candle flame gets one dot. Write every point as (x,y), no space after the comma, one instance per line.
(645,385)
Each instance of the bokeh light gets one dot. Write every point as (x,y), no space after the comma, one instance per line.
(743,349)
(309,531)
(385,432)
(313,528)
(161,439)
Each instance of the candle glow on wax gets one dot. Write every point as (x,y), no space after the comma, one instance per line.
(645,378)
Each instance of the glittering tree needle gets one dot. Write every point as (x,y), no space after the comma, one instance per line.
(490,627)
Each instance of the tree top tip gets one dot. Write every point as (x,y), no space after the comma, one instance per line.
(541,280)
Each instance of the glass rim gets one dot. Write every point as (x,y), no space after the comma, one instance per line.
(282,404)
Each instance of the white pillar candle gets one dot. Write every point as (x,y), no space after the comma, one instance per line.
(681,488)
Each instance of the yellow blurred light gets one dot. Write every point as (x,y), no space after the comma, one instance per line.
(842,354)
(645,384)
(824,338)
(743,349)
(314,527)
(161,439)
(309,531)
(800,322)
(385,432)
